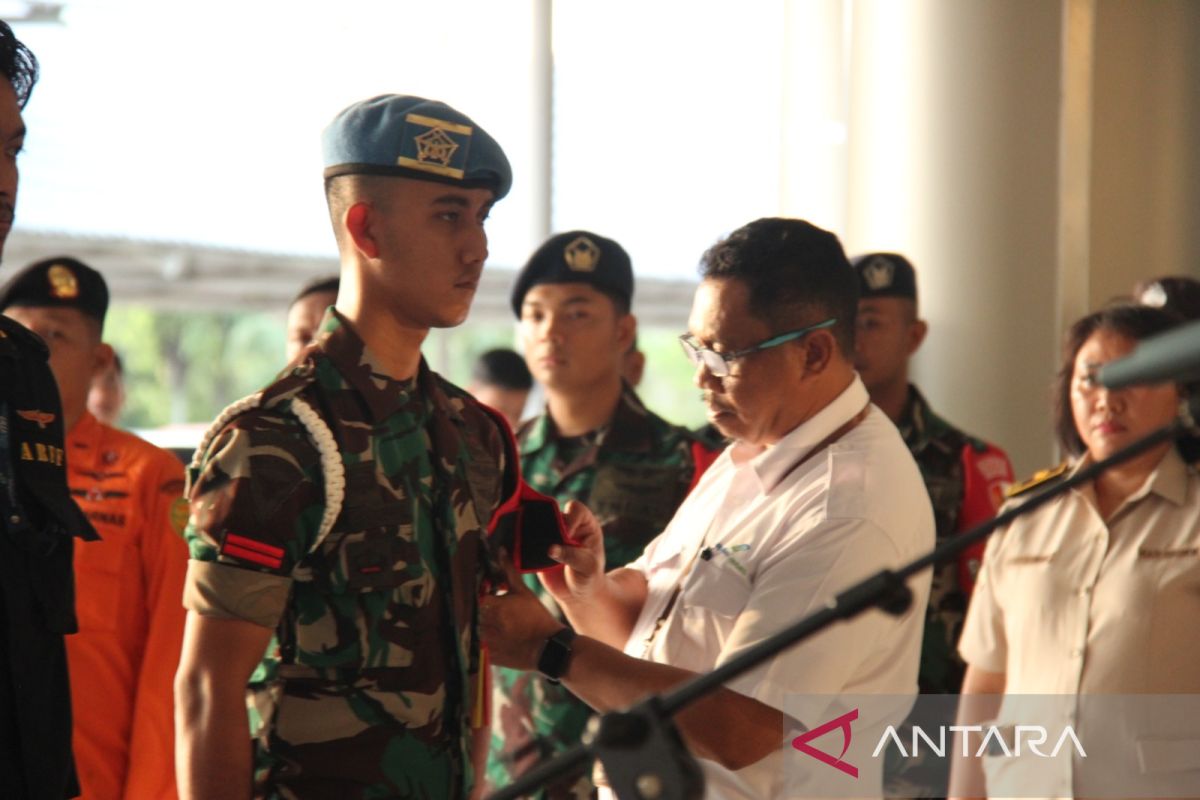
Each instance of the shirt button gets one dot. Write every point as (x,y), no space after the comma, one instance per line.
(1076,652)
(1085,591)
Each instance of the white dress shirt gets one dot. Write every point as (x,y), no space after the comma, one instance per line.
(781,542)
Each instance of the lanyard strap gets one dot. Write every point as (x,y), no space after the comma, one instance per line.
(704,552)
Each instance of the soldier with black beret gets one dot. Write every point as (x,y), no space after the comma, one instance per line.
(966,477)
(129,584)
(595,443)
(339,516)
(38,519)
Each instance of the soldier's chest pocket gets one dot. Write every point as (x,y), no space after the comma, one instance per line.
(375,549)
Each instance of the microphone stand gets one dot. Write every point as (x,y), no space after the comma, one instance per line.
(640,749)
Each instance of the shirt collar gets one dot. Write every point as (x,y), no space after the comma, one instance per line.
(629,430)
(360,368)
(774,463)
(82,439)
(1168,481)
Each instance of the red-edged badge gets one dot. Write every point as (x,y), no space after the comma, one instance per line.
(252,551)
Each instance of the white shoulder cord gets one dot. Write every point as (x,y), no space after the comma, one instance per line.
(332,469)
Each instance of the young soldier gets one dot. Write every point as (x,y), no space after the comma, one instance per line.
(595,443)
(306,312)
(338,516)
(37,518)
(129,584)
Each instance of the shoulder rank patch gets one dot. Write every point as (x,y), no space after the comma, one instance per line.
(1040,477)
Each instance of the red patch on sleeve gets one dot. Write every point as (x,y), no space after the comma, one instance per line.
(252,551)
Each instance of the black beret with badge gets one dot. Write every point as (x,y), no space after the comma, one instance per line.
(885,275)
(577,257)
(60,282)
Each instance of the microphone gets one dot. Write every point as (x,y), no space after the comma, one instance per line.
(1170,356)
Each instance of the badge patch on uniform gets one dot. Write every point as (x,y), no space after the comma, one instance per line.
(63,283)
(42,418)
(249,550)
(582,254)
(434,145)
(179,513)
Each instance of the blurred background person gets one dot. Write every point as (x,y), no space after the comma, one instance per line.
(500,379)
(1176,293)
(106,397)
(306,311)
(128,585)
(596,443)
(1087,594)
(966,477)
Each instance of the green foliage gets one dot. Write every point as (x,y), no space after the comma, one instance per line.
(667,387)
(185,366)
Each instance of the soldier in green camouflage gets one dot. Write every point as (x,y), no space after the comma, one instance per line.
(339,517)
(596,443)
(966,477)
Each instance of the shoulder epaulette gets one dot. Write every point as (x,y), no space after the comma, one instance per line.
(1039,478)
(288,387)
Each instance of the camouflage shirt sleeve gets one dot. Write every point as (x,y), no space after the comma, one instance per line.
(256,505)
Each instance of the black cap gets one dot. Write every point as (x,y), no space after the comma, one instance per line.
(61,282)
(885,275)
(577,257)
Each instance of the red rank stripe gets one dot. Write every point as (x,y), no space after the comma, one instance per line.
(250,550)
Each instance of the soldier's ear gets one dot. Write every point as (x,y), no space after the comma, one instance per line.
(102,358)
(626,332)
(358,220)
(916,334)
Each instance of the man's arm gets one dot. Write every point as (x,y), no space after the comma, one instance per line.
(213,754)
(726,727)
(982,692)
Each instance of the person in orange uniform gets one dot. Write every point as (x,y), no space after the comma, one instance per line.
(129,585)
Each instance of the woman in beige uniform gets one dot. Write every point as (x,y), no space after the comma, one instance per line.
(1098,591)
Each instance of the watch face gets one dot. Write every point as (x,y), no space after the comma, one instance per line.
(556,655)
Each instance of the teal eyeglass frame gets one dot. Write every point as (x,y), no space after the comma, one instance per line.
(718,363)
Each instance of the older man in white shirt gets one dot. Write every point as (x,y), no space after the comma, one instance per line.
(818,492)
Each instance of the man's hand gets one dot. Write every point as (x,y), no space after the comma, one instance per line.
(583,569)
(515,625)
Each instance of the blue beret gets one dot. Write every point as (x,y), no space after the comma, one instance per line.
(413,137)
(60,282)
(576,257)
(885,275)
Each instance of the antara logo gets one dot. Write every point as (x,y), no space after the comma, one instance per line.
(801,742)
(1024,740)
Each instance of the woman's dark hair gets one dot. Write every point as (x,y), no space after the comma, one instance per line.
(1131,321)
(17,64)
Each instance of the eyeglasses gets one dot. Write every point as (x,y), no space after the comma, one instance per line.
(718,363)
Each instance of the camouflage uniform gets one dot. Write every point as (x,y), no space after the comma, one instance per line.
(966,479)
(370,683)
(632,474)
(944,454)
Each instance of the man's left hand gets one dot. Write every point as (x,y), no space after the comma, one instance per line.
(515,625)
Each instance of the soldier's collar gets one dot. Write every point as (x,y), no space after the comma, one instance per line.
(351,357)
(629,430)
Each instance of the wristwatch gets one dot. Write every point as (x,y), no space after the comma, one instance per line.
(556,655)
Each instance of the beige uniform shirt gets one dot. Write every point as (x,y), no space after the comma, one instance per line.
(1068,604)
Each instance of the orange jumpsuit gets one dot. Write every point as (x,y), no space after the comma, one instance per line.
(128,590)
